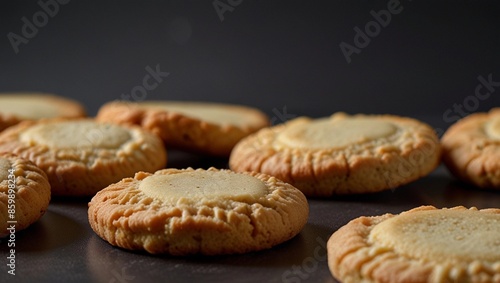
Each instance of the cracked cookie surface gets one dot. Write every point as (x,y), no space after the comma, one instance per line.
(82,156)
(341,154)
(210,212)
(422,245)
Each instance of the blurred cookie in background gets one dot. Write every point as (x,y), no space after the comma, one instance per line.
(471,149)
(17,107)
(201,127)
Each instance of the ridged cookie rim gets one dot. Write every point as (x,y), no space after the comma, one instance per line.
(69,175)
(352,258)
(469,154)
(211,227)
(181,131)
(325,172)
(32,195)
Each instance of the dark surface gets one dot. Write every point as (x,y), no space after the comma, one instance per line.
(280,56)
(62,247)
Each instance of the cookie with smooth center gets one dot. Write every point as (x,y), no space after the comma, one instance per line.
(17,107)
(341,154)
(471,149)
(202,127)
(24,193)
(422,245)
(209,212)
(81,157)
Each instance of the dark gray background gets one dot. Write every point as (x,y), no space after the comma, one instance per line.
(267,54)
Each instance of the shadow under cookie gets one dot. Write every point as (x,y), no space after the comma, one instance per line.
(53,231)
(183,159)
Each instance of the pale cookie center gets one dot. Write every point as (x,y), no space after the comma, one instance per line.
(76,134)
(441,235)
(218,115)
(24,108)
(493,128)
(195,186)
(325,133)
(4,168)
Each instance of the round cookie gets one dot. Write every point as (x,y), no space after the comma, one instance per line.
(17,107)
(341,154)
(424,244)
(24,193)
(208,128)
(82,156)
(471,149)
(210,212)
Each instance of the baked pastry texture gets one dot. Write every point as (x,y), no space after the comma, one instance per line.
(202,127)
(422,245)
(82,156)
(341,154)
(17,107)
(210,212)
(471,149)
(24,193)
